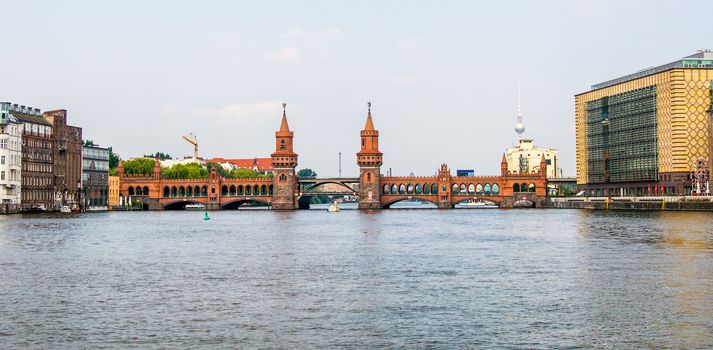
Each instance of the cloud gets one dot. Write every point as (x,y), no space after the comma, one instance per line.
(409,43)
(319,35)
(245,111)
(287,54)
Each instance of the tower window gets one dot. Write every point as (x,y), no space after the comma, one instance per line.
(363,142)
(282,144)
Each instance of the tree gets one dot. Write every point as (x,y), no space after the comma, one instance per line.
(306,172)
(113,159)
(139,166)
(159,155)
(218,168)
(88,143)
(185,171)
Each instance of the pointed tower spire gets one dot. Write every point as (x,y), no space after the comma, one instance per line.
(369,122)
(284,127)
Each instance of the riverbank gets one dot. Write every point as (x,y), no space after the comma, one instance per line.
(665,203)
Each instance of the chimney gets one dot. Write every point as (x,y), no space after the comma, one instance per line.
(22,109)
(37,111)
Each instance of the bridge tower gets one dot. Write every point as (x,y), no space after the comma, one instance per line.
(284,162)
(444,188)
(369,159)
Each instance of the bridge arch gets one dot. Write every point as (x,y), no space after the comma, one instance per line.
(390,202)
(308,189)
(179,204)
(237,203)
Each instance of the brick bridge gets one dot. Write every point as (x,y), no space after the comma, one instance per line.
(285,191)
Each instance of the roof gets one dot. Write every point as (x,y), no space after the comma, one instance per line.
(702,59)
(30,118)
(262,164)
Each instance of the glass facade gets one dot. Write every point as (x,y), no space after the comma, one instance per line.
(622,135)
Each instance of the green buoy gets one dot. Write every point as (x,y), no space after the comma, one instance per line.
(206,216)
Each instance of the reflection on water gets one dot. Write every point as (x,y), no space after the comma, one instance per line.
(391,278)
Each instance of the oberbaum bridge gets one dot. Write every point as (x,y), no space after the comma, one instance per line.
(286,191)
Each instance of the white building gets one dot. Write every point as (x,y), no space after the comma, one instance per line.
(525,158)
(10,157)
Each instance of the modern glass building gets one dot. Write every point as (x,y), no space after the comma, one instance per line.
(95,177)
(644,133)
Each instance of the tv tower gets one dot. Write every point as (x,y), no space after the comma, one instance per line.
(519,126)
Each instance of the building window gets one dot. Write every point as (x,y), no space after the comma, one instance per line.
(2,160)
(2,175)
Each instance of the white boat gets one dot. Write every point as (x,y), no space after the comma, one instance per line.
(477,204)
(65,209)
(334,207)
(195,206)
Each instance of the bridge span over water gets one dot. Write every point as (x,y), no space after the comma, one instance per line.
(286,191)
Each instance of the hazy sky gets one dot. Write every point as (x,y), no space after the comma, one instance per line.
(442,75)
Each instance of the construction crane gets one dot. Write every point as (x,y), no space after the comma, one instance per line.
(193,140)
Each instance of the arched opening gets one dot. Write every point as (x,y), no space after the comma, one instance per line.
(523,187)
(394,189)
(368,177)
(181,191)
(138,190)
(178,205)
(282,144)
(166,192)
(263,190)
(531,187)
(232,190)
(283,178)
(204,191)
(196,191)
(131,191)
(479,189)
(455,188)
(418,189)
(463,189)
(174,191)
(189,191)
(425,204)
(402,189)
(385,190)
(516,188)
(486,189)
(248,190)
(146,190)
(495,189)
(240,190)
(409,189)
(471,189)
(426,189)
(252,204)
(270,189)
(434,189)
(224,190)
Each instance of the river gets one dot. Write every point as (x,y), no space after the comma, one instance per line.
(391,278)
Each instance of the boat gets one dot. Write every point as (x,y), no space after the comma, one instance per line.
(65,209)
(477,204)
(195,206)
(333,208)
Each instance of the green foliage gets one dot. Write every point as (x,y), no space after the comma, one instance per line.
(113,159)
(218,168)
(113,172)
(159,155)
(244,173)
(139,166)
(306,172)
(184,171)
(88,143)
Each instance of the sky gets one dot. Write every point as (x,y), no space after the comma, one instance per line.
(441,75)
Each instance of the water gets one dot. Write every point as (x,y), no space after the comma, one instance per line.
(394,278)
